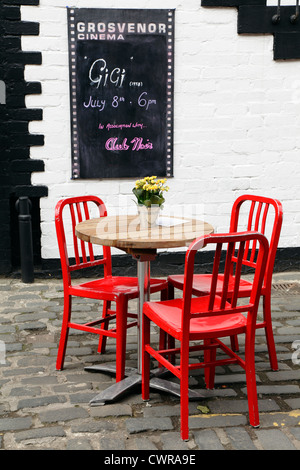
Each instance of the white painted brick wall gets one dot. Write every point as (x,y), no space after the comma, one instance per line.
(237,119)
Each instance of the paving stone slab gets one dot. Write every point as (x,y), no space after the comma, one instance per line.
(281,419)
(38,433)
(240,439)
(25,391)
(294,403)
(136,425)
(43,380)
(15,424)
(144,443)
(117,409)
(79,443)
(276,390)
(23,371)
(172,441)
(161,411)
(274,439)
(284,376)
(240,406)
(107,443)
(62,414)
(207,439)
(215,421)
(295,432)
(40,401)
(93,426)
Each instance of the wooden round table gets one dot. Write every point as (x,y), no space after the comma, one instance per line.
(124,232)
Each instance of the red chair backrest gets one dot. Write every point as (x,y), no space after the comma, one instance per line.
(84,256)
(236,246)
(260,214)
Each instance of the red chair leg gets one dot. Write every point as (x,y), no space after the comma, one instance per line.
(163,337)
(184,392)
(209,372)
(234,343)
(103,338)
(64,333)
(164,294)
(269,332)
(166,342)
(145,359)
(171,292)
(162,342)
(162,334)
(171,345)
(251,381)
(121,321)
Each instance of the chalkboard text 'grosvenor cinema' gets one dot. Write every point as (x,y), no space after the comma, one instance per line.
(116,31)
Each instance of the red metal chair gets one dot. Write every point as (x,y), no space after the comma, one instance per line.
(249,213)
(208,318)
(109,288)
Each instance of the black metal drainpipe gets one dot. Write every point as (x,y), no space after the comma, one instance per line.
(295,17)
(26,248)
(276,18)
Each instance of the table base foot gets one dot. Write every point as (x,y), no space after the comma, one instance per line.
(109,369)
(116,390)
(132,380)
(173,388)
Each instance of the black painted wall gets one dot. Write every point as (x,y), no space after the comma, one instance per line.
(15,139)
(255,17)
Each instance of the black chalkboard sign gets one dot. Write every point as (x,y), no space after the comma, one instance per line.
(121,92)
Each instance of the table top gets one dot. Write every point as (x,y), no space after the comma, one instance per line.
(124,232)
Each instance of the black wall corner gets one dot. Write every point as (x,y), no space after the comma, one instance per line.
(231,3)
(255,17)
(15,139)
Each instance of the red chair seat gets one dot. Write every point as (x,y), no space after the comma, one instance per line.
(168,316)
(110,287)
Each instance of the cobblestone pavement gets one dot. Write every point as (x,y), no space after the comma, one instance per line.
(42,408)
